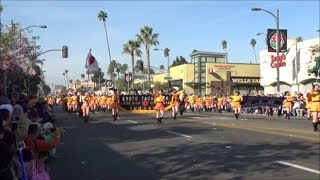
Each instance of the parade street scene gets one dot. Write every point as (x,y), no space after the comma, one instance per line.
(160,90)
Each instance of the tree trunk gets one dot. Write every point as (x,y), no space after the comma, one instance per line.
(4,82)
(255,56)
(105,29)
(132,66)
(148,64)
(227,60)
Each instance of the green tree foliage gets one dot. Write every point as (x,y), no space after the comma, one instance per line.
(179,60)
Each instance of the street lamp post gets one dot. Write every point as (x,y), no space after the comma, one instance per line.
(276,17)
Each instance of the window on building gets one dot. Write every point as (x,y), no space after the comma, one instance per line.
(211,59)
(203,59)
(220,60)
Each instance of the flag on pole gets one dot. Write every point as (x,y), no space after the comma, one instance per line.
(91,63)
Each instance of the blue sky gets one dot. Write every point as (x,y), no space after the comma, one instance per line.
(182,25)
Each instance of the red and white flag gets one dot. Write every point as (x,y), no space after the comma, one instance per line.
(91,62)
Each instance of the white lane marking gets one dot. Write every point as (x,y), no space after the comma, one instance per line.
(134,122)
(179,134)
(299,167)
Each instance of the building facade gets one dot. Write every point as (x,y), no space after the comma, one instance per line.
(294,75)
(209,73)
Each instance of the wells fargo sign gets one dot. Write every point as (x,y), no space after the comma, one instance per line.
(245,80)
(278,61)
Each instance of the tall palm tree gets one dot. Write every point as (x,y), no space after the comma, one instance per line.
(83,76)
(299,39)
(166,54)
(132,48)
(102,16)
(224,46)
(148,39)
(161,67)
(253,43)
(66,72)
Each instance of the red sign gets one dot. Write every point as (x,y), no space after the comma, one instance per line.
(224,67)
(278,61)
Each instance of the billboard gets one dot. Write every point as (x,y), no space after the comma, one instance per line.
(272,40)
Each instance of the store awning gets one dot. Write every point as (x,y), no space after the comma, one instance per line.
(195,84)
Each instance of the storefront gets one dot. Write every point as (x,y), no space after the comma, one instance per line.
(294,67)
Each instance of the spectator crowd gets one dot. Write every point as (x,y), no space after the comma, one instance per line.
(28,137)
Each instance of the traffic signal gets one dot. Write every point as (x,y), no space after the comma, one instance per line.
(64,51)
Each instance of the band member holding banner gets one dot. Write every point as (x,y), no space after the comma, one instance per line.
(236,103)
(115,104)
(85,107)
(315,106)
(159,101)
(175,102)
(288,104)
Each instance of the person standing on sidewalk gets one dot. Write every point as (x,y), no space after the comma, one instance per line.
(315,106)
(236,104)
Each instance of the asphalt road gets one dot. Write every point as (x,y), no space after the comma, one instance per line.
(195,146)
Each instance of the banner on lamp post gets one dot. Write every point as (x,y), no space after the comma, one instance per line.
(272,40)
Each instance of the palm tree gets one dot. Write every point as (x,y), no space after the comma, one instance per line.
(166,54)
(253,43)
(83,76)
(132,48)
(161,67)
(224,46)
(102,16)
(299,39)
(148,39)
(118,69)
(124,68)
(66,72)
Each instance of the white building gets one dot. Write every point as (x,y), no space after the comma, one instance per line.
(294,75)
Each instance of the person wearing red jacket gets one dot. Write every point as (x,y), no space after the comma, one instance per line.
(39,145)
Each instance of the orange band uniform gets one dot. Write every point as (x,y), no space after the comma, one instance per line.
(208,101)
(74,100)
(315,101)
(199,102)
(86,101)
(69,100)
(115,101)
(288,102)
(236,100)
(159,100)
(103,100)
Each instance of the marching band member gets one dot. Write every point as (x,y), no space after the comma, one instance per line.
(103,102)
(192,102)
(175,102)
(85,107)
(93,102)
(315,106)
(288,104)
(74,103)
(199,103)
(236,103)
(115,104)
(208,103)
(69,100)
(159,101)
(220,103)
